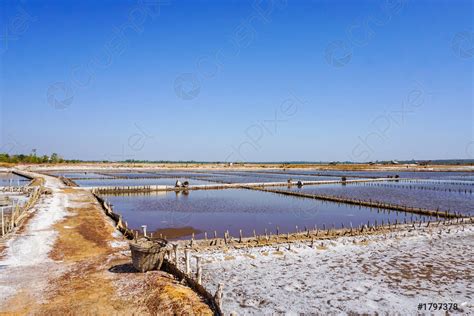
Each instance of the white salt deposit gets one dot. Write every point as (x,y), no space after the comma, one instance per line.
(374,275)
(29,251)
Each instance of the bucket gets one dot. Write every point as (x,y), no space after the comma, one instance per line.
(148,254)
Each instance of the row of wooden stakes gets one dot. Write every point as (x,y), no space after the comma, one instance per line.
(18,213)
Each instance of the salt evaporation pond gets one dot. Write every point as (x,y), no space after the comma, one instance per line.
(441,175)
(261,178)
(14,199)
(80,175)
(11,179)
(237,176)
(234,209)
(430,195)
(120,182)
(184,173)
(145,174)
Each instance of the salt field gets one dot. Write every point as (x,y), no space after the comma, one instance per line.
(118,182)
(372,275)
(299,253)
(11,179)
(80,175)
(179,214)
(254,177)
(439,175)
(444,196)
(235,209)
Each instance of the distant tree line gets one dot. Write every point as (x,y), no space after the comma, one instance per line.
(32,158)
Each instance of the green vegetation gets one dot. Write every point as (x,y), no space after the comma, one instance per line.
(32,158)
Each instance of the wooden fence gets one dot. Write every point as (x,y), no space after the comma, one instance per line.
(313,234)
(221,185)
(18,213)
(370,203)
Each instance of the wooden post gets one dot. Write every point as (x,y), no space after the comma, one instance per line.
(175,248)
(198,270)
(3,223)
(186,258)
(218,296)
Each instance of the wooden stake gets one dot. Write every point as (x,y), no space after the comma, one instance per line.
(3,224)
(186,258)
(198,270)
(175,248)
(219,294)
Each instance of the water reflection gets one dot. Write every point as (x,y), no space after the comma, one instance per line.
(235,209)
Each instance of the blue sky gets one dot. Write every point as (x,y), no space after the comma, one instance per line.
(238,80)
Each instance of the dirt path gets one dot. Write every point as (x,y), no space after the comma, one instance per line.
(68,259)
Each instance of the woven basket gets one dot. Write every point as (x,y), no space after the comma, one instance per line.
(148,254)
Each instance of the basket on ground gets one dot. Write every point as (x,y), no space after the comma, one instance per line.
(148,254)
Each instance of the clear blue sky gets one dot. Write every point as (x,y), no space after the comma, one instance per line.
(238,80)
